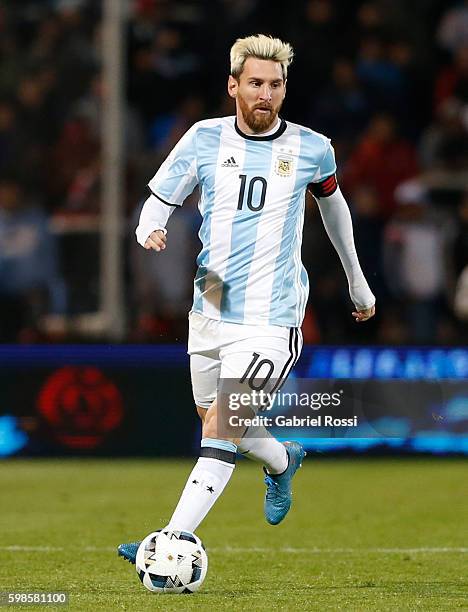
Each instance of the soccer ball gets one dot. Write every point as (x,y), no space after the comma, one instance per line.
(171,562)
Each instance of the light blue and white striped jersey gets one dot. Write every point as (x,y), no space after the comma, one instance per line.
(252,204)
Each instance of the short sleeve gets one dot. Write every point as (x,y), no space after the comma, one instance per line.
(324,183)
(177,176)
(327,165)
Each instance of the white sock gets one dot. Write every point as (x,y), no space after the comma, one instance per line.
(259,445)
(205,484)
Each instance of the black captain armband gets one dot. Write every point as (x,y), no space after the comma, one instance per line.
(325,188)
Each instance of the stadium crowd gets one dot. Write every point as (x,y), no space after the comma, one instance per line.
(386,80)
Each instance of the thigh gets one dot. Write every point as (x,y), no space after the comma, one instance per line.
(204,372)
(205,363)
(253,369)
(262,361)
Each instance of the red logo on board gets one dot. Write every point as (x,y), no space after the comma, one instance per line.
(81,405)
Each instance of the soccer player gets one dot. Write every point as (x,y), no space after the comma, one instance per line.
(250,288)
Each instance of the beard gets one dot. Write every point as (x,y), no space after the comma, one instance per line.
(258,122)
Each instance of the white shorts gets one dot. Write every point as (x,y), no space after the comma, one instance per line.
(234,351)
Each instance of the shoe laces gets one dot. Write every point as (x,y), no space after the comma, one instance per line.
(269,481)
(272,488)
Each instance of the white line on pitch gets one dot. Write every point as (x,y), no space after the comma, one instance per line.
(255,549)
(289,549)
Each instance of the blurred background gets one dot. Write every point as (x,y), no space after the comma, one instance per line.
(93,96)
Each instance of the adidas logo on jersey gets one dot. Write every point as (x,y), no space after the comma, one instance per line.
(230,163)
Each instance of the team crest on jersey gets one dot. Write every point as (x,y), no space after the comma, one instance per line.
(284,165)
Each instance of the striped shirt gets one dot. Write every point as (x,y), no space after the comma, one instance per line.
(252,198)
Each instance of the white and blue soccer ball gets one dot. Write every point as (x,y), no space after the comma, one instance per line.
(171,562)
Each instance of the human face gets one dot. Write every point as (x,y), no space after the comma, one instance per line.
(259,93)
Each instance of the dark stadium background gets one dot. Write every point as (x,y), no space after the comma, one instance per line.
(92,360)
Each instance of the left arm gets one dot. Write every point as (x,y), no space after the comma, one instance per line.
(338,224)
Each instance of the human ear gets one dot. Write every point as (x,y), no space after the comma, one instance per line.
(232,86)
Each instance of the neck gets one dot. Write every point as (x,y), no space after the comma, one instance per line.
(245,128)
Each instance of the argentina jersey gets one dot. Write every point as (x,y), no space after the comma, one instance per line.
(252,199)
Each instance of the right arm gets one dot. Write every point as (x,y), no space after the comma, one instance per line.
(172,183)
(151,231)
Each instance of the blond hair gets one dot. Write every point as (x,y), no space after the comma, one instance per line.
(261,47)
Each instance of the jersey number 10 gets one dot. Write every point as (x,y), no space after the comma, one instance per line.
(255,206)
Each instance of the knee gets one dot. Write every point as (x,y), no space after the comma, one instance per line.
(201,413)
(210,429)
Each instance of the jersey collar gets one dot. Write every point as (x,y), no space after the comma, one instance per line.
(277,134)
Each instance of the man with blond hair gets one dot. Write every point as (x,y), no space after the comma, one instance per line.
(251,289)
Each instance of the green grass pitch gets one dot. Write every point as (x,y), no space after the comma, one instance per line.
(362,534)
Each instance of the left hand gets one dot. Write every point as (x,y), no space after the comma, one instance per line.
(364,315)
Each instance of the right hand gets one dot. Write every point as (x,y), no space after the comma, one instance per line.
(156,241)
